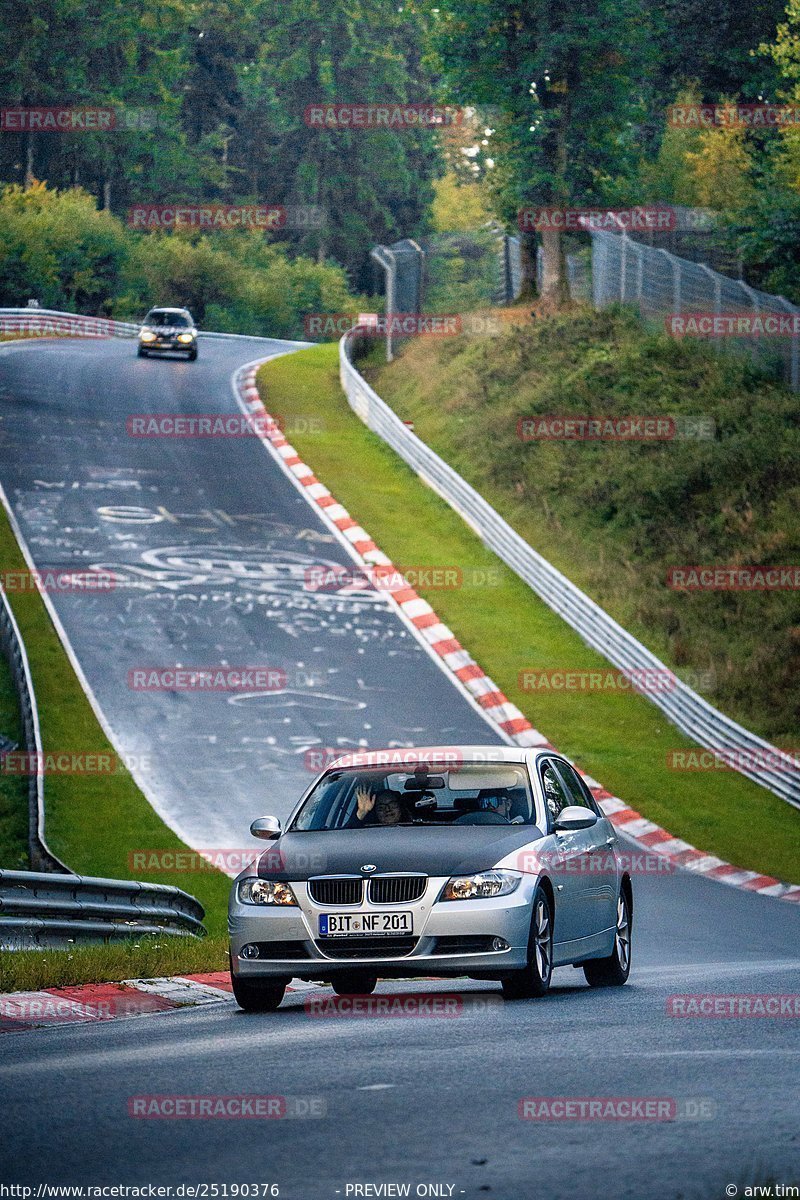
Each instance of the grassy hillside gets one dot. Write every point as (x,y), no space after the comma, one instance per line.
(616,516)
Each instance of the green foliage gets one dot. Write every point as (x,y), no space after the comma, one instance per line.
(57,247)
(227,84)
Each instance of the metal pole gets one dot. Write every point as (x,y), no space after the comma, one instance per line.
(386,259)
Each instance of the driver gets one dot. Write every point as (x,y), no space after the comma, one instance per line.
(384,804)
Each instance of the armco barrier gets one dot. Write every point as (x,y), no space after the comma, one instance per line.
(38,909)
(25,320)
(693,715)
(13,648)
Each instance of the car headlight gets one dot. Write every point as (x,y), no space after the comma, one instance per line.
(481,886)
(147,336)
(265,891)
(185,337)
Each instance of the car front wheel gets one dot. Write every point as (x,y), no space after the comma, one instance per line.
(534,979)
(614,970)
(142,352)
(264,996)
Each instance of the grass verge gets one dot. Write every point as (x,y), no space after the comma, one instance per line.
(618,737)
(146,958)
(94,822)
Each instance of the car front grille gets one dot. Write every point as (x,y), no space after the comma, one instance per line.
(365,947)
(333,892)
(396,889)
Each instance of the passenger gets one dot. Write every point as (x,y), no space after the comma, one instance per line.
(500,803)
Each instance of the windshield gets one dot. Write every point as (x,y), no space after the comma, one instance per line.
(157,317)
(359,797)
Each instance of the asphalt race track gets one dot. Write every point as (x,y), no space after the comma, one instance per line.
(409,1101)
(413,1100)
(210,545)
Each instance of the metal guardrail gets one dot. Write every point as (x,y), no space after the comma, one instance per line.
(38,909)
(13,648)
(689,712)
(24,320)
(27,319)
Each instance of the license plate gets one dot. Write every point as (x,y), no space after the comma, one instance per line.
(365,924)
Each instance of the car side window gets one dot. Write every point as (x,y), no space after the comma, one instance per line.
(573,787)
(555,794)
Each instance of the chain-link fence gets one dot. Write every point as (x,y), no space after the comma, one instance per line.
(458,272)
(691,299)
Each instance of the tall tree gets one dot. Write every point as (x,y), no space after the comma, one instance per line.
(566,84)
(370,185)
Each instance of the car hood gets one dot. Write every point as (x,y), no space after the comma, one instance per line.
(433,850)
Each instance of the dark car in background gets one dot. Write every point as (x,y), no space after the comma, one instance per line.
(168,330)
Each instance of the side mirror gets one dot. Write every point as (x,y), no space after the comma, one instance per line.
(267,828)
(574,817)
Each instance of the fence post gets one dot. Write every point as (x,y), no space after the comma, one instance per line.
(386,259)
(623,270)
(794,359)
(753,298)
(639,276)
(716,281)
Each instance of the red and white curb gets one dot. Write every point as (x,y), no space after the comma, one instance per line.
(98,1002)
(513,726)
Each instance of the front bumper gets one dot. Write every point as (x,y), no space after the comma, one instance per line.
(164,346)
(449,938)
